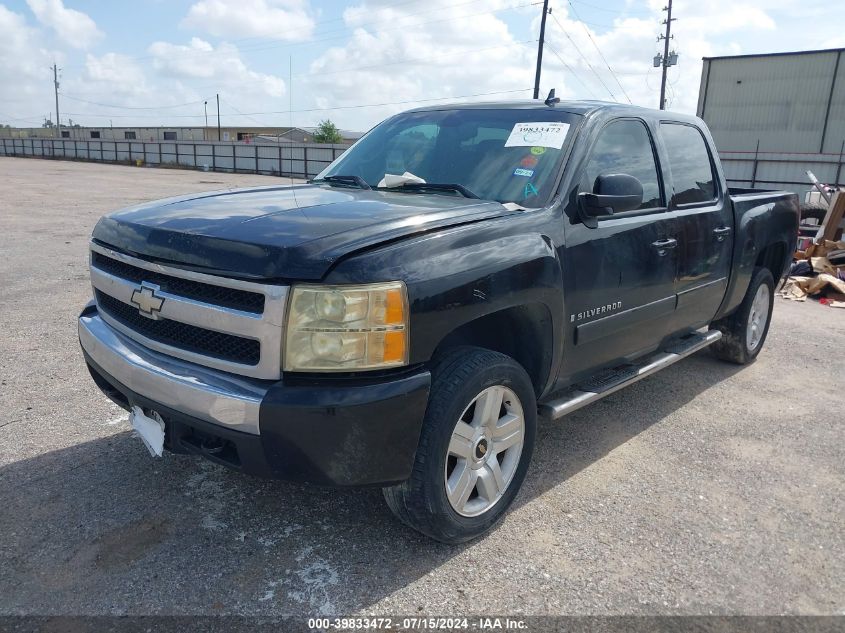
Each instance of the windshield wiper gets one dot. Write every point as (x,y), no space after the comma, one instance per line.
(354,181)
(435,186)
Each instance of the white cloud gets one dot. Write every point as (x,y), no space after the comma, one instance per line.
(410,52)
(73,27)
(630,45)
(275,19)
(452,39)
(117,74)
(200,60)
(24,65)
(421,50)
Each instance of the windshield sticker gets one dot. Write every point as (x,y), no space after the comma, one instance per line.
(519,171)
(538,151)
(530,190)
(540,134)
(528,161)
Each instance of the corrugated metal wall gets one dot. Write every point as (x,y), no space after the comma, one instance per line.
(780,100)
(775,116)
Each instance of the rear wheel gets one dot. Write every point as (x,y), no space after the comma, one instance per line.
(474,449)
(744,331)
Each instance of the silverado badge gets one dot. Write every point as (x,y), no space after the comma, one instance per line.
(592,312)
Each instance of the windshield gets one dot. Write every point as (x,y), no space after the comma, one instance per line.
(505,155)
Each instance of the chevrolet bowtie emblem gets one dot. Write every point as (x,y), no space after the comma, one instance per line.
(149,304)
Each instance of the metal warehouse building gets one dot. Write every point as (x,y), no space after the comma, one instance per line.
(775,116)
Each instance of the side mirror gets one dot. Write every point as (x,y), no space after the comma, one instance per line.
(612,193)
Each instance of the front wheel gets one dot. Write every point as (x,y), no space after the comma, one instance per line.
(475,446)
(744,331)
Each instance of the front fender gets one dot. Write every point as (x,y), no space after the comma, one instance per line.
(462,274)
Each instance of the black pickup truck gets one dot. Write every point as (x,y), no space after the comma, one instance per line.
(403,319)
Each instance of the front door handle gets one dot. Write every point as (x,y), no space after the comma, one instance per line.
(721,233)
(664,245)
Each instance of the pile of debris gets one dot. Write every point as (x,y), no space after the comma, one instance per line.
(818,269)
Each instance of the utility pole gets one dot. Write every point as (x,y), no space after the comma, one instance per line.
(56,88)
(219,135)
(665,62)
(290,91)
(540,49)
(205,108)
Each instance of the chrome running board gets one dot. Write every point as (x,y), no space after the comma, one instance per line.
(610,381)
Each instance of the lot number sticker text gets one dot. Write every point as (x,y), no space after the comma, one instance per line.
(539,134)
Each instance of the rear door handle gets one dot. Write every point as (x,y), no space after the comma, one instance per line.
(664,245)
(721,233)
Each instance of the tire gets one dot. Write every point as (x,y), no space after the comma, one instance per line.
(462,446)
(811,211)
(745,330)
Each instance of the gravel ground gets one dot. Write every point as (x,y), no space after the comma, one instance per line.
(704,489)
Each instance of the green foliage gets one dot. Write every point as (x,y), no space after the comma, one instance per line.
(327,132)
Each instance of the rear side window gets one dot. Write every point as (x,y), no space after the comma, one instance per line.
(624,147)
(689,163)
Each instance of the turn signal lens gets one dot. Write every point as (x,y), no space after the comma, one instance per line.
(394,347)
(347,328)
(394,307)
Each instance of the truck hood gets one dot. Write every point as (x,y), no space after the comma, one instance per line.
(286,232)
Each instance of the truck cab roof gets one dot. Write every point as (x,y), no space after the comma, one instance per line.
(581,107)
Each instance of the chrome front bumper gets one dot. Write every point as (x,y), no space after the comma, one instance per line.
(207,394)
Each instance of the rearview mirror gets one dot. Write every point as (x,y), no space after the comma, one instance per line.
(612,193)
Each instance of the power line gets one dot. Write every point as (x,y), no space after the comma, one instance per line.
(124,107)
(403,61)
(7,118)
(571,70)
(587,31)
(349,107)
(346,28)
(342,70)
(343,32)
(254,120)
(375,105)
(417,60)
(599,8)
(298,31)
(587,61)
(394,24)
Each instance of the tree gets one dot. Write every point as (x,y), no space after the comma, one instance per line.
(327,132)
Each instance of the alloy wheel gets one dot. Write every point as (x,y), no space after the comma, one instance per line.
(757,318)
(484,451)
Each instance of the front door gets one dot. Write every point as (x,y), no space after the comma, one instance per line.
(619,277)
(705,224)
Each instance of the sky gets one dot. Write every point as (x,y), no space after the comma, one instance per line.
(355,62)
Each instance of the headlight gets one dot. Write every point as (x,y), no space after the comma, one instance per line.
(347,328)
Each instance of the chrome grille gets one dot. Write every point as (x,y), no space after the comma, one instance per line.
(217,295)
(224,323)
(188,337)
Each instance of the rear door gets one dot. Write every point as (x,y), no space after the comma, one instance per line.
(620,276)
(704,220)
